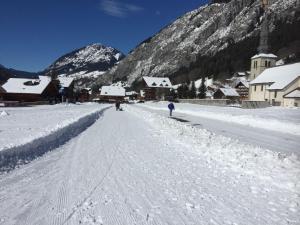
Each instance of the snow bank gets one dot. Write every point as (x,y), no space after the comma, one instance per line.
(17,153)
(3,113)
(275,119)
(283,171)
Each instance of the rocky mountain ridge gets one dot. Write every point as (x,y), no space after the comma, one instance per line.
(215,39)
(89,58)
(84,64)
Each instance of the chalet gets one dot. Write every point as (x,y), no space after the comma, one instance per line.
(84,95)
(156,88)
(242,88)
(276,84)
(112,93)
(131,95)
(241,74)
(226,93)
(29,90)
(67,86)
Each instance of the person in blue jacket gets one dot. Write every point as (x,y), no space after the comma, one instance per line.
(171,107)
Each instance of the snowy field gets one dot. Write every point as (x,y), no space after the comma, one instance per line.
(139,167)
(21,125)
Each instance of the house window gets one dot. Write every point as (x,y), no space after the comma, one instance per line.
(269,64)
(266,63)
(255,64)
(275,94)
(262,87)
(254,87)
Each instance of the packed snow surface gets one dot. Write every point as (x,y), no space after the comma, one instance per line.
(284,120)
(136,167)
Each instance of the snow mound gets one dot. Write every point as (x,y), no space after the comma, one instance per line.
(15,155)
(281,170)
(3,113)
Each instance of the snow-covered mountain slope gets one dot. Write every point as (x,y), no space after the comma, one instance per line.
(87,62)
(213,39)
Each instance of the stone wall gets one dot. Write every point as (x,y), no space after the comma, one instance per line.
(255,104)
(213,102)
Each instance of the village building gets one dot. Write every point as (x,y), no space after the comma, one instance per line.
(2,91)
(275,83)
(30,90)
(242,74)
(156,88)
(131,95)
(112,93)
(242,88)
(226,93)
(67,87)
(292,99)
(84,95)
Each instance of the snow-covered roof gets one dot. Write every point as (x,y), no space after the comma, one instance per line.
(279,77)
(241,74)
(293,94)
(130,93)
(263,55)
(65,81)
(26,86)
(112,91)
(161,82)
(229,92)
(244,82)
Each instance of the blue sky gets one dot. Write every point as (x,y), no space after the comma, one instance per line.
(34,33)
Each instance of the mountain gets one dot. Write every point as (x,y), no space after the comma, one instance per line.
(6,73)
(87,63)
(215,39)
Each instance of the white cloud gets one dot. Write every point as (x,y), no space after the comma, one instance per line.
(118,9)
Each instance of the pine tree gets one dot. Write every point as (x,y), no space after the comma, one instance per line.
(173,94)
(180,92)
(192,91)
(202,89)
(185,91)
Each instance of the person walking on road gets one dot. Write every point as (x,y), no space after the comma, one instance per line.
(171,108)
(118,105)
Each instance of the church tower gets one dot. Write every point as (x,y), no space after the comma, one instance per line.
(263,59)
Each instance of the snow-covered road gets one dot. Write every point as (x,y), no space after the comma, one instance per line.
(134,167)
(280,139)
